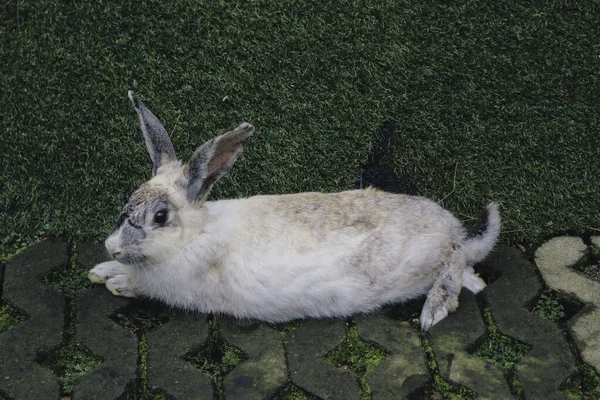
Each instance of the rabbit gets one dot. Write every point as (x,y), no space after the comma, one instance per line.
(277,258)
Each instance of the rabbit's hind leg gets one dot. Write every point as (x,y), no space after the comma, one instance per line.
(472,281)
(443,295)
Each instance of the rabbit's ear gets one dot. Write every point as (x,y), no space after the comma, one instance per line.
(157,140)
(214,158)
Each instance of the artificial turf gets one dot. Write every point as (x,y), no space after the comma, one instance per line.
(495,100)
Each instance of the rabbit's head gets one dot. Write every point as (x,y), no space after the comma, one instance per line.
(151,223)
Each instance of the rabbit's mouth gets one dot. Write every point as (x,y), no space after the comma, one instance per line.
(131,259)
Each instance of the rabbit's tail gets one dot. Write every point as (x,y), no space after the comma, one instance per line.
(480,240)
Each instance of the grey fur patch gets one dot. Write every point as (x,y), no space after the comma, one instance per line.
(134,212)
(122,218)
(131,235)
(157,140)
(132,221)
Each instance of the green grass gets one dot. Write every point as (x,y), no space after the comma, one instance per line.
(494,101)
(8,251)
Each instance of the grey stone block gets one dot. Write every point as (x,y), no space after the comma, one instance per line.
(264,372)
(89,254)
(405,368)
(549,356)
(108,340)
(20,376)
(166,368)
(307,347)
(452,339)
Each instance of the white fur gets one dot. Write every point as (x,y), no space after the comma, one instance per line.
(246,258)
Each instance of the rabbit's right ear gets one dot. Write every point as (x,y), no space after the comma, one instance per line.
(214,158)
(157,140)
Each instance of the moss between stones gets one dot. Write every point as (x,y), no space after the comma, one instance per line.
(138,389)
(140,318)
(556,306)
(583,385)
(439,386)
(358,355)
(549,307)
(287,327)
(72,279)
(216,358)
(514,384)
(589,264)
(499,349)
(68,362)
(10,317)
(502,351)
(292,392)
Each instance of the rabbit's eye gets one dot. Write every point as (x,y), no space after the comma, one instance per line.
(161,216)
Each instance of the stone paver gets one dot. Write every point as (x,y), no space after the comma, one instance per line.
(271,362)
(116,346)
(265,371)
(405,368)
(166,368)
(549,361)
(89,254)
(451,342)
(105,338)
(554,259)
(307,347)
(20,376)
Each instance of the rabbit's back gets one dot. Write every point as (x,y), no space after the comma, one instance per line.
(315,254)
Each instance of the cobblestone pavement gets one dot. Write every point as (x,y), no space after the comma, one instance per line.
(533,333)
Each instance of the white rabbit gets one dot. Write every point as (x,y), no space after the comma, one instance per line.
(278,258)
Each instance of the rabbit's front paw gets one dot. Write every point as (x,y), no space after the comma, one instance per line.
(120,285)
(102,272)
(116,277)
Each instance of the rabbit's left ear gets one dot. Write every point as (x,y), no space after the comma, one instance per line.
(157,140)
(214,158)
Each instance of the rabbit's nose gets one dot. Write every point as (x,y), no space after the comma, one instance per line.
(112,245)
(116,254)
